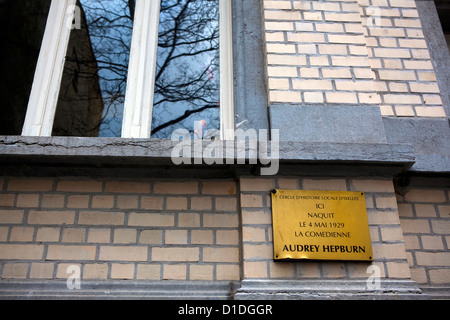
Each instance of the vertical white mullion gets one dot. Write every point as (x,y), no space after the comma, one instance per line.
(141,71)
(49,69)
(226,71)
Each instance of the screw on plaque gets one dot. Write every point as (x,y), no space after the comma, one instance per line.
(274,191)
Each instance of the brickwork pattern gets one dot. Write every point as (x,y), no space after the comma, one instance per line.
(385,230)
(119,229)
(351,52)
(425,219)
(400,58)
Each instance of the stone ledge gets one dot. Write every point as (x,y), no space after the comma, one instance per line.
(192,290)
(437,292)
(116,290)
(102,152)
(327,290)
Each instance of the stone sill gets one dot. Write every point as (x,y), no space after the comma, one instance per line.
(325,289)
(263,289)
(116,290)
(334,158)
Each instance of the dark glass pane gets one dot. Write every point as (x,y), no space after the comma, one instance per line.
(443,10)
(93,87)
(22,26)
(187,75)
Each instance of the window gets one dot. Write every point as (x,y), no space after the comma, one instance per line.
(93,85)
(22,25)
(125,68)
(187,86)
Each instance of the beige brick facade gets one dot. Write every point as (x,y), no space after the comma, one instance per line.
(425,219)
(123,212)
(209,237)
(119,229)
(351,53)
(205,237)
(202,239)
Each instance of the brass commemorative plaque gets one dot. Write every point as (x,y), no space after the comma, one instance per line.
(320,225)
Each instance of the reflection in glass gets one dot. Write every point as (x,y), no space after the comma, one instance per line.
(93,87)
(22,26)
(187,76)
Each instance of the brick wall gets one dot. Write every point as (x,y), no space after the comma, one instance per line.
(119,229)
(386,233)
(351,52)
(166,230)
(425,219)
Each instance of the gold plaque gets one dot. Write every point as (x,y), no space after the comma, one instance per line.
(320,225)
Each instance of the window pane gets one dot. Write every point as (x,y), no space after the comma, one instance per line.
(187,76)
(93,87)
(22,26)
(443,10)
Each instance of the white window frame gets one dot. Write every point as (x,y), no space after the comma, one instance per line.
(49,69)
(138,108)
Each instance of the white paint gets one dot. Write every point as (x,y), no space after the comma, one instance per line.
(47,79)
